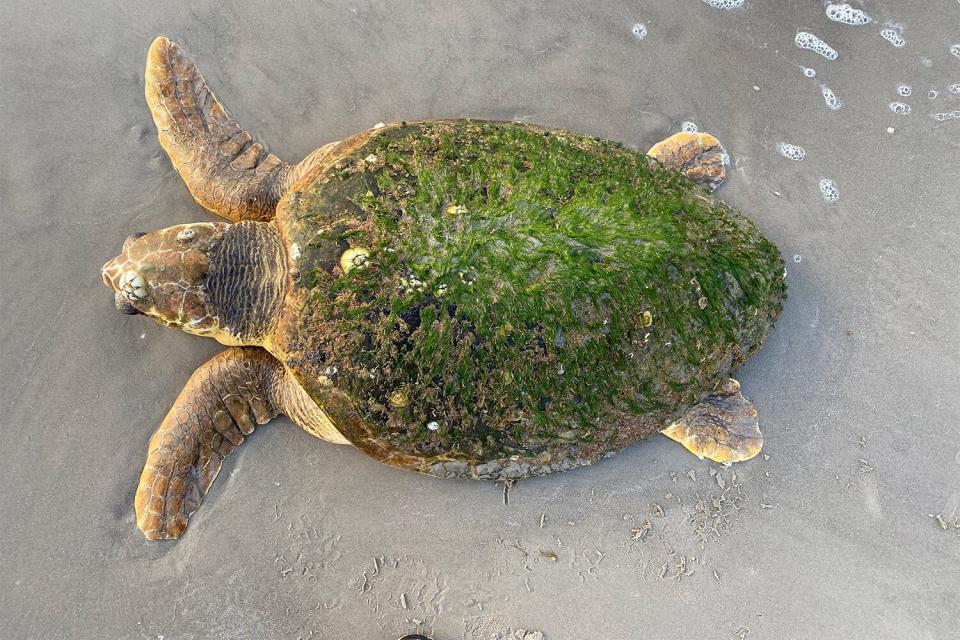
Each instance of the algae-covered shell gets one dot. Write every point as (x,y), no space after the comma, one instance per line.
(529,301)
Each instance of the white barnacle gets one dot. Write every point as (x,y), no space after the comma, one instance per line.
(468,277)
(186,235)
(132,285)
(411,282)
(399,398)
(326,376)
(294,251)
(370,159)
(433,425)
(354,258)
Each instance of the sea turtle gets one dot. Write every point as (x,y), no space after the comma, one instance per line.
(464,298)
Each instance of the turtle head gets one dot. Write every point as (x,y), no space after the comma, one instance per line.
(163,275)
(203,278)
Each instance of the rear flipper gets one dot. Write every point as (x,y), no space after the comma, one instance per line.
(699,156)
(724,427)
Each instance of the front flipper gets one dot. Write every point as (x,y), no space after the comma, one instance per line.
(724,427)
(699,156)
(220,405)
(225,170)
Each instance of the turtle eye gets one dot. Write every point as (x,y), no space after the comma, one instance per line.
(125,306)
(131,238)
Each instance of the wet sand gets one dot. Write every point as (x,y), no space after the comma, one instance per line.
(834,532)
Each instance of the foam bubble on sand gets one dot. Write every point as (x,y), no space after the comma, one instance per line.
(932,94)
(828,188)
(639,31)
(847,15)
(810,73)
(900,108)
(725,4)
(955,50)
(949,115)
(893,36)
(904,90)
(791,151)
(833,102)
(689,126)
(954,88)
(810,42)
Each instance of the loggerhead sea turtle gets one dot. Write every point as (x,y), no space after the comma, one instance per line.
(464,298)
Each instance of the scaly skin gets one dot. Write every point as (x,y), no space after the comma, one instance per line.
(188,277)
(221,404)
(224,169)
(169,268)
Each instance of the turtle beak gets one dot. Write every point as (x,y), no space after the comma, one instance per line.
(125,306)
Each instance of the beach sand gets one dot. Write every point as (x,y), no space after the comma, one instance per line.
(845,527)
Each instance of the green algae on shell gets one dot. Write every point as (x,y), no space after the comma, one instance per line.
(529,299)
